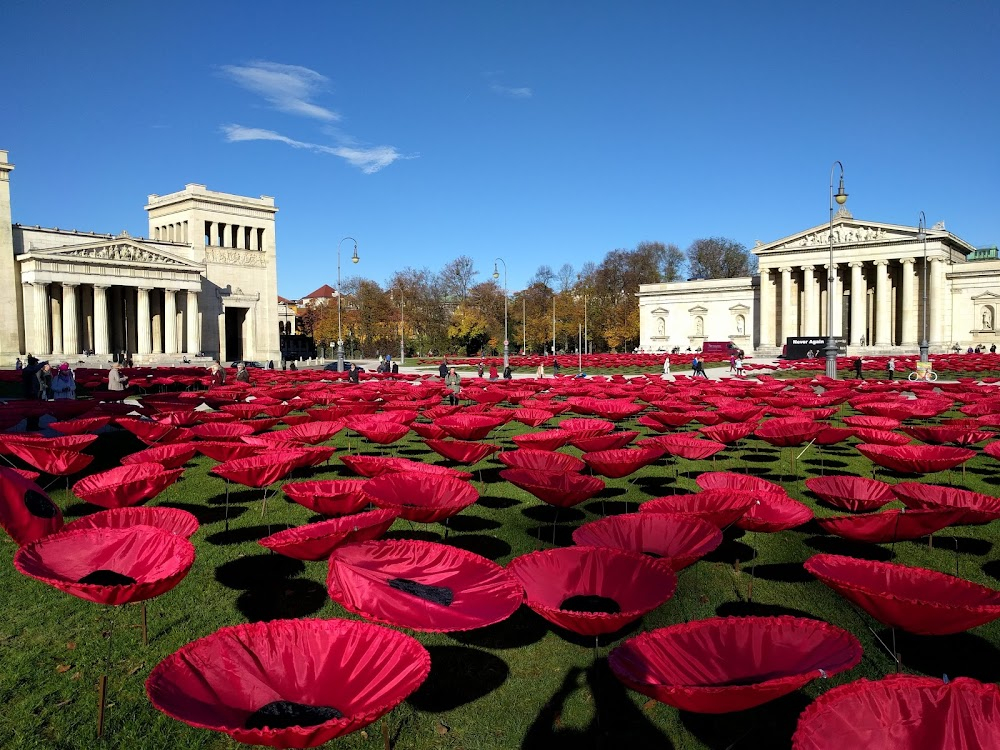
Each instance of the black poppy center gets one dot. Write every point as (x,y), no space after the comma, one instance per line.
(591,603)
(39,505)
(284,714)
(655,555)
(435,594)
(104,577)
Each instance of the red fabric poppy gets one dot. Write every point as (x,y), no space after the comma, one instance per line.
(55,461)
(902,712)
(725,664)
(834,435)
(916,459)
(720,480)
(312,433)
(172,456)
(316,541)
(619,463)
(915,599)
(875,436)
(373,466)
(108,566)
(226,451)
(173,520)
(578,424)
(328,677)
(151,432)
(125,485)
(426,431)
(728,432)
(468,426)
(329,497)
(774,512)
(684,446)
(977,508)
(259,471)
(567,584)
(222,430)
(422,585)
(562,489)
(462,451)
(26,512)
(532,417)
(936,435)
(421,498)
(850,493)
(527,458)
(878,423)
(80,426)
(549,440)
(789,433)
(606,442)
(380,431)
(718,507)
(677,540)
(892,525)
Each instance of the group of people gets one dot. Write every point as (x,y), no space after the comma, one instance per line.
(48,383)
(386,365)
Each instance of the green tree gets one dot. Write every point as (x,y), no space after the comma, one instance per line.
(720,258)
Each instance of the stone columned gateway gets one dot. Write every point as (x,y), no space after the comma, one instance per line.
(205,284)
(882,273)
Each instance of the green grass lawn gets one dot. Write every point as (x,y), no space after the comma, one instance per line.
(518,684)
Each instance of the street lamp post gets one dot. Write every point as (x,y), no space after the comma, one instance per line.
(553,324)
(831,345)
(524,325)
(506,341)
(340,331)
(922,235)
(624,323)
(586,344)
(402,346)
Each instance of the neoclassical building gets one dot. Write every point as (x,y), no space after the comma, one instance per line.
(205,283)
(882,273)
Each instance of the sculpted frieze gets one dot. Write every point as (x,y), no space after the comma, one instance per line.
(844,235)
(123,252)
(234,257)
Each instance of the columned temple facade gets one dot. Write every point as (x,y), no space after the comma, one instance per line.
(881,278)
(206,284)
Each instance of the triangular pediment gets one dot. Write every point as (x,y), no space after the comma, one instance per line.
(846,231)
(987,297)
(697,310)
(661,311)
(124,250)
(739,309)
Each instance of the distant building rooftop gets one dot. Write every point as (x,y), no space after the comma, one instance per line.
(983,253)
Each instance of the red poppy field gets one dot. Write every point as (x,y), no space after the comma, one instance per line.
(616,561)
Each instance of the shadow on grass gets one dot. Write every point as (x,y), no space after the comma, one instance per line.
(257,570)
(208,515)
(494,502)
(992,569)
(770,725)
(550,514)
(781,572)
(459,675)
(282,599)
(472,523)
(607,508)
(245,534)
(617,721)
(837,546)
(731,548)
(958,655)
(480,544)
(521,629)
(758,609)
(551,534)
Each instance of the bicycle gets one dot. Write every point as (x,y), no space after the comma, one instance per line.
(930,376)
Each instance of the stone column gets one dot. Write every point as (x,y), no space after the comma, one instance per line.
(55,318)
(193,323)
(883,303)
(143,328)
(859,299)
(42,331)
(156,323)
(834,289)
(250,346)
(101,343)
(170,321)
(766,308)
(909,303)
(810,313)
(788,321)
(936,303)
(71,336)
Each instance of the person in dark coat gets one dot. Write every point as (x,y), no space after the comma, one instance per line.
(443,370)
(353,375)
(857,368)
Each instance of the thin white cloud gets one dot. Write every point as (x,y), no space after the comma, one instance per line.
(514,92)
(288,88)
(368,159)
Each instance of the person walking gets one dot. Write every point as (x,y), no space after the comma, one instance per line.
(540,372)
(890,368)
(454,382)
(242,373)
(19,365)
(555,367)
(63,383)
(44,378)
(857,368)
(694,366)
(738,364)
(116,381)
(443,370)
(666,367)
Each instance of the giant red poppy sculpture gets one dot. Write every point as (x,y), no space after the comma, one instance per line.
(540,460)
(917,600)
(170,456)
(849,492)
(719,480)
(289,683)
(462,451)
(421,585)
(622,462)
(916,459)
(977,508)
(329,497)
(592,590)
(421,498)
(725,664)
(562,489)
(903,712)
(894,525)
(315,541)
(374,466)
(172,520)
(718,507)
(676,540)
(125,485)
(26,512)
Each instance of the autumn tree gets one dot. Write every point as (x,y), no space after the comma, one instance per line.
(720,258)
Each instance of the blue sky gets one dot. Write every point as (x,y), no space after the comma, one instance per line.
(540,132)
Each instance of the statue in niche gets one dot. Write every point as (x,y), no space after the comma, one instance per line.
(987,319)
(699,326)
(739,325)
(660,327)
